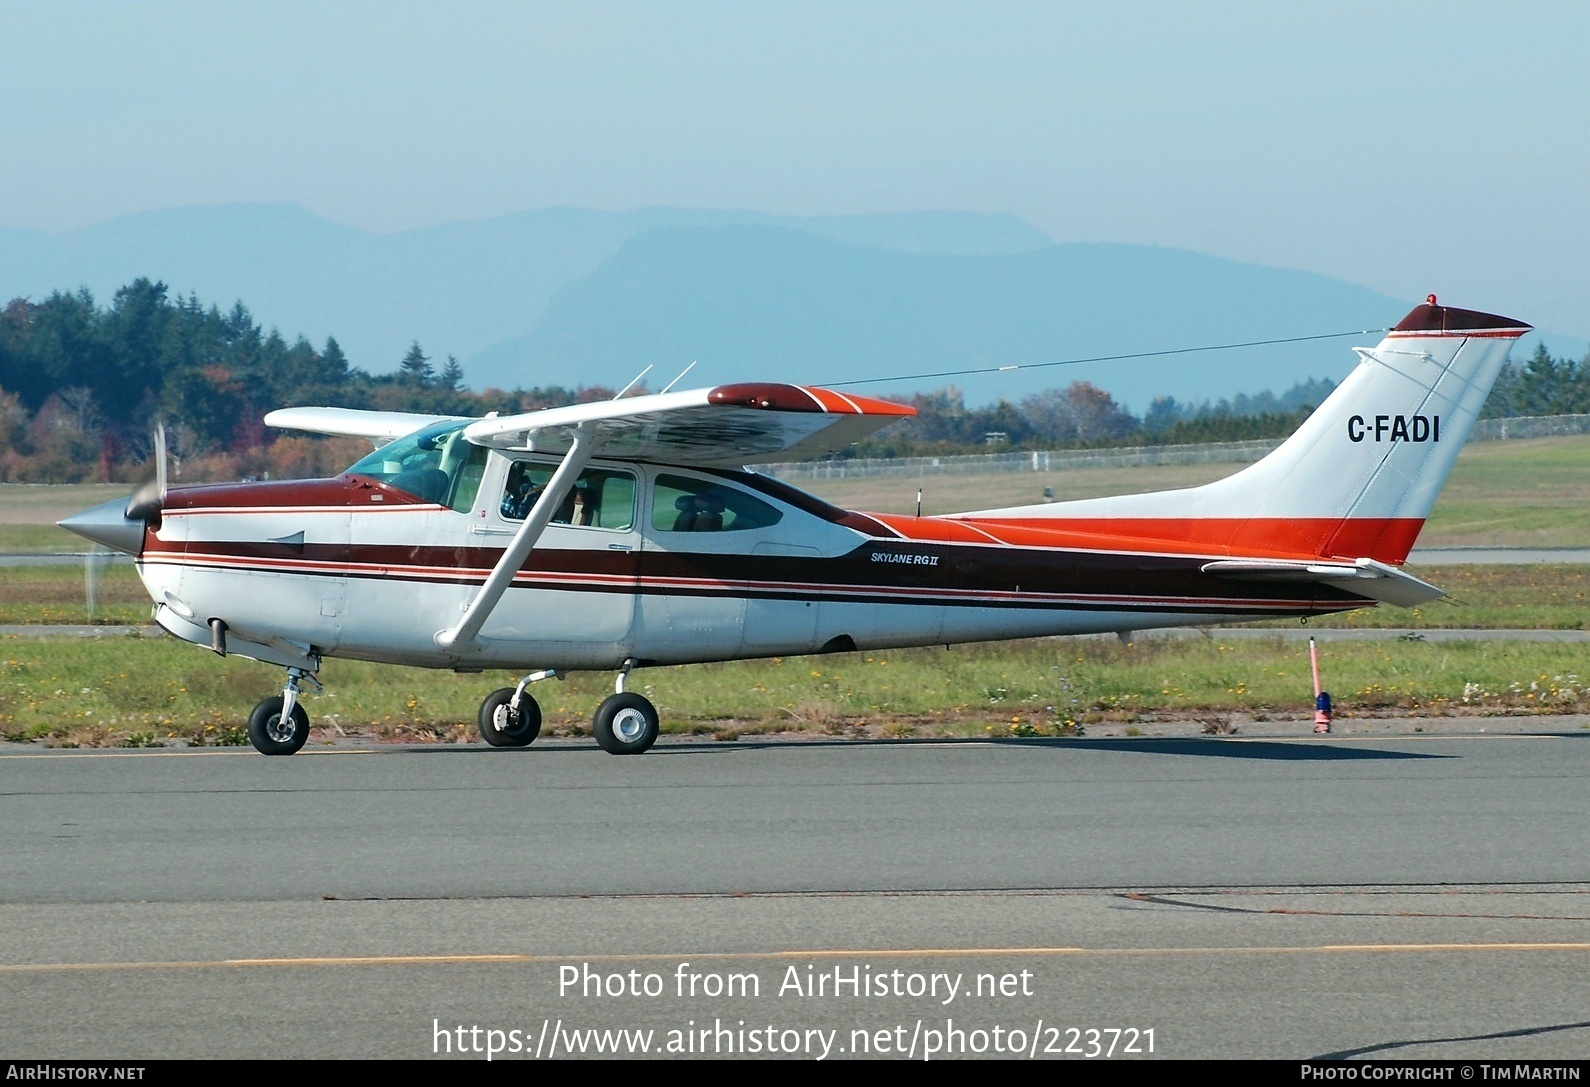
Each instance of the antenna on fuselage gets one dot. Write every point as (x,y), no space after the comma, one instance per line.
(682,373)
(620,394)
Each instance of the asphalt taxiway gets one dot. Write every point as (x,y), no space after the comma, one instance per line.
(1406,897)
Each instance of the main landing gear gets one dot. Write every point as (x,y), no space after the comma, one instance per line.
(625,723)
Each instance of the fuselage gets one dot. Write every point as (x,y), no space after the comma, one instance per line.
(652,563)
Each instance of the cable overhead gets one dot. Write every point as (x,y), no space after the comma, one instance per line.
(1102,358)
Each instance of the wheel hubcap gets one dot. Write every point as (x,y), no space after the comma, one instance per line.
(503,719)
(629,725)
(280,729)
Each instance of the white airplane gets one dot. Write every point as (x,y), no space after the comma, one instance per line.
(629,533)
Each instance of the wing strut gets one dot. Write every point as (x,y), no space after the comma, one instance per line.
(558,487)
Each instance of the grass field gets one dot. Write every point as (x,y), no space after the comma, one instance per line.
(1555,597)
(134,691)
(58,594)
(1531,493)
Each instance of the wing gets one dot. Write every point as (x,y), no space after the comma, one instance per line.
(379,426)
(726,426)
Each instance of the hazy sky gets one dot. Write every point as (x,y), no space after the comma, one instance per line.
(1407,147)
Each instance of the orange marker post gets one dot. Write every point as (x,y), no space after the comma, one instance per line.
(1322,699)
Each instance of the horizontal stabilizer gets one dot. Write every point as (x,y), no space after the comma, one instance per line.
(1366,577)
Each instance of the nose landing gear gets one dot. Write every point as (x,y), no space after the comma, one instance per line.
(279,725)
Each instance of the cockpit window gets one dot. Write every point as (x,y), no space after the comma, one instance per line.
(602,498)
(435,464)
(682,504)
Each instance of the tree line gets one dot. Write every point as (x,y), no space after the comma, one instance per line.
(82,386)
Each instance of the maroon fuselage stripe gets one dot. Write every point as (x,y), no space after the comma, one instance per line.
(875,571)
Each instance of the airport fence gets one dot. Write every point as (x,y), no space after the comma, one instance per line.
(1529,426)
(1059,460)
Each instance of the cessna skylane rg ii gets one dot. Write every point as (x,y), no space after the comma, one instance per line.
(630,533)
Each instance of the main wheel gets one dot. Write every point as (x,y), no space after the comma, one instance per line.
(626,724)
(271,734)
(502,726)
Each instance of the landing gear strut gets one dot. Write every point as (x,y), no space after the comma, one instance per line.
(625,723)
(279,725)
(510,717)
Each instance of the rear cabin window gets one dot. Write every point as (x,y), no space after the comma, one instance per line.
(603,498)
(682,504)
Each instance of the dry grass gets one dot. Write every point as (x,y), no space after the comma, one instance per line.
(1532,493)
(130,691)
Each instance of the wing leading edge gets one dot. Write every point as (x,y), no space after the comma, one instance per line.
(379,426)
(726,426)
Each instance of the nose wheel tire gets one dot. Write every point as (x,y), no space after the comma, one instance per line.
(503,726)
(626,724)
(271,734)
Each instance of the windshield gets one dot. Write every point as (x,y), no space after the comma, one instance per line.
(435,464)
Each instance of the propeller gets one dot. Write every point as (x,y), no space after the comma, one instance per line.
(147,501)
(94,560)
(121,525)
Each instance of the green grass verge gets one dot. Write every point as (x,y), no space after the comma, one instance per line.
(57,594)
(39,540)
(1531,493)
(1555,597)
(1524,597)
(136,691)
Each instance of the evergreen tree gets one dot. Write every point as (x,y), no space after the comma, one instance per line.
(333,362)
(452,378)
(415,369)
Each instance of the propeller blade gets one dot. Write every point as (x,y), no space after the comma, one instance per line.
(160,460)
(93,564)
(147,501)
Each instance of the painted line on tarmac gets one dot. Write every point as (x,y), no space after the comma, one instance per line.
(713,956)
(144,753)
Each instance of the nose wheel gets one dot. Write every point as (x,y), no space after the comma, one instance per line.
(273,732)
(279,725)
(626,724)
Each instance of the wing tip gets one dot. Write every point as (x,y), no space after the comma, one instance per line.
(775,396)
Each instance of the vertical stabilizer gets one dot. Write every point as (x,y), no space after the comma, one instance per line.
(1356,480)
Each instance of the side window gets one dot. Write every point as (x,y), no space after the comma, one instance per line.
(682,504)
(602,498)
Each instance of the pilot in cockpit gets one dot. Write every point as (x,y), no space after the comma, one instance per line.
(518,502)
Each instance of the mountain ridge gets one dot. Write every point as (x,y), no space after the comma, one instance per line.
(572,295)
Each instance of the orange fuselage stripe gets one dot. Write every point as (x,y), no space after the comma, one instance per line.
(1386,539)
